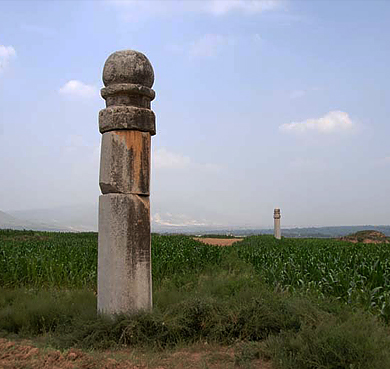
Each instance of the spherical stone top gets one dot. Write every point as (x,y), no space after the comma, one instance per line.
(128,66)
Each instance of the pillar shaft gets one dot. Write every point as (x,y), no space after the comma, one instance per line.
(124,278)
(277,232)
(125,162)
(124,245)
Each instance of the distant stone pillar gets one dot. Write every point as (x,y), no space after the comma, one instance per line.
(277,232)
(127,124)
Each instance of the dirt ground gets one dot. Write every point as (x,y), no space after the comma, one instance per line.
(25,355)
(368,236)
(218,241)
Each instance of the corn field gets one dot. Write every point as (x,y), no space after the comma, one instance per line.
(69,260)
(352,273)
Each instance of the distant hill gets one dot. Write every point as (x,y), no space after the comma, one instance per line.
(8,221)
(327,232)
(310,232)
(83,217)
(75,218)
(369,236)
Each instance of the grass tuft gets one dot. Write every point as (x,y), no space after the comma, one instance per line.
(359,342)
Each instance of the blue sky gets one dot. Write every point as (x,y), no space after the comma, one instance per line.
(259,104)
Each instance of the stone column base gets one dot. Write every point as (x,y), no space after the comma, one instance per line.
(124,255)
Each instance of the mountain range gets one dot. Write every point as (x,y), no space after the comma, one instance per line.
(83,218)
(8,221)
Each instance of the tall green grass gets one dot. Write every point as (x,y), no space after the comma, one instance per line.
(223,306)
(356,274)
(352,273)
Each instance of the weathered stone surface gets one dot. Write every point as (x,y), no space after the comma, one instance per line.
(124,269)
(124,99)
(127,117)
(129,89)
(128,94)
(128,66)
(128,77)
(277,231)
(125,162)
(124,255)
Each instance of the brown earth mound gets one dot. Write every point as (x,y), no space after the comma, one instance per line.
(366,237)
(218,241)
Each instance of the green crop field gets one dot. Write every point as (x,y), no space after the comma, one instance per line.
(69,260)
(278,293)
(352,273)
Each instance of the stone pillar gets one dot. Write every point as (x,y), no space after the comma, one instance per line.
(277,232)
(127,124)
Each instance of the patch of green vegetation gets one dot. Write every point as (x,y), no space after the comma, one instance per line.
(223,308)
(302,303)
(46,259)
(355,274)
(30,313)
(69,260)
(357,342)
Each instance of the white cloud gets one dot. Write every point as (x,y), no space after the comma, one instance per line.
(334,121)
(78,89)
(209,46)
(6,53)
(164,159)
(134,8)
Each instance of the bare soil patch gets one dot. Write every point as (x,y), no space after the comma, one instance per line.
(25,355)
(374,237)
(218,241)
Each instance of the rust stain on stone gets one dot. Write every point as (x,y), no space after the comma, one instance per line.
(138,146)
